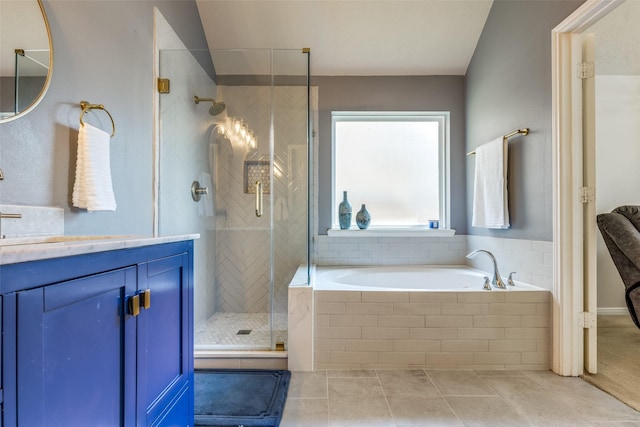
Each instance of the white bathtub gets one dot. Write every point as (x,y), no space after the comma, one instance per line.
(424,317)
(406,278)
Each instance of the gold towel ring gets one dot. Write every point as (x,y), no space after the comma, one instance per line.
(86,107)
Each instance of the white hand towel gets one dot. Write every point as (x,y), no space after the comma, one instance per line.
(93,189)
(490,199)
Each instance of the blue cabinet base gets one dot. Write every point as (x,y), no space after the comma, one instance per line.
(74,352)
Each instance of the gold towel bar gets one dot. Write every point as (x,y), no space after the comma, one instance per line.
(86,107)
(524,131)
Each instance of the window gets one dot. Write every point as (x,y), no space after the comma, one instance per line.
(396,163)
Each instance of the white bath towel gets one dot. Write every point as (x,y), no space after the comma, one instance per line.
(490,199)
(93,189)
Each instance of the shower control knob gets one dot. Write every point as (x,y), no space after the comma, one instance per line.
(197,191)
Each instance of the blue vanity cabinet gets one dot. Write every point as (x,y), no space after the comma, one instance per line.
(1,382)
(76,352)
(165,356)
(101,339)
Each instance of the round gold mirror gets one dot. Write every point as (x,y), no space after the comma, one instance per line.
(26,57)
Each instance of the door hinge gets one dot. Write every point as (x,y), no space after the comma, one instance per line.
(586,70)
(163,85)
(587,320)
(587,195)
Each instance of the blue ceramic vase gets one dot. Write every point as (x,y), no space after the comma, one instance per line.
(363,218)
(344,212)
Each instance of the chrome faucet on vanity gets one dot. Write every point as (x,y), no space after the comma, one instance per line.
(497,280)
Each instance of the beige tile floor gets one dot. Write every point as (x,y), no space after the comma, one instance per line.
(449,398)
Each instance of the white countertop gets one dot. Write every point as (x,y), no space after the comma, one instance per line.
(17,250)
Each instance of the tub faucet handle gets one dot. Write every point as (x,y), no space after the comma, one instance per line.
(487,284)
(510,281)
(497,280)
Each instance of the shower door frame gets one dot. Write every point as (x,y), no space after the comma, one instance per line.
(309,180)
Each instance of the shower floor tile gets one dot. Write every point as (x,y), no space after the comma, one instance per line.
(220,331)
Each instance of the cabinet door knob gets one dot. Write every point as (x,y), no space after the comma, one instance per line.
(145,298)
(134,305)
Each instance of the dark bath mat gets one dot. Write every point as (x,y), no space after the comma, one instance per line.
(240,397)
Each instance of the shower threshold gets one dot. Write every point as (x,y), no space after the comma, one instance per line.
(232,359)
(218,345)
(240,332)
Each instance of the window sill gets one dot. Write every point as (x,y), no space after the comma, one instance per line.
(392,232)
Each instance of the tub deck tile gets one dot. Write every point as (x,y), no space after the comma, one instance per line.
(361,357)
(323,307)
(449,359)
(385,333)
(432,329)
(417,345)
(334,332)
(369,345)
(322,344)
(536,321)
(527,333)
(497,321)
(512,345)
(433,333)
(465,345)
(417,308)
(369,308)
(492,358)
(450,321)
(483,296)
(401,358)
(481,333)
(432,297)
(386,296)
(353,320)
(466,309)
(400,321)
(338,296)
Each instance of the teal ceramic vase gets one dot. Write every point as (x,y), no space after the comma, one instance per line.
(363,218)
(344,212)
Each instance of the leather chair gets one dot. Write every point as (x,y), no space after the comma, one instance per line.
(620,230)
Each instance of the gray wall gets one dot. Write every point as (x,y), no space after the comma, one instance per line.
(508,86)
(103,53)
(412,93)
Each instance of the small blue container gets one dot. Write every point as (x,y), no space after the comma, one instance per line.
(434,223)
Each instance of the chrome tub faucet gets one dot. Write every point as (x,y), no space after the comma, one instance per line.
(496,280)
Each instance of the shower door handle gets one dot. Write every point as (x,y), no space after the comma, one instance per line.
(259,198)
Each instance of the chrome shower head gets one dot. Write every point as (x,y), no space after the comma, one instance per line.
(216,107)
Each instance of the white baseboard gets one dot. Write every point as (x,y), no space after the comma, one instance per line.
(611,311)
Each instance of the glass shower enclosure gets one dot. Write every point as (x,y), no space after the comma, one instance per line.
(233,167)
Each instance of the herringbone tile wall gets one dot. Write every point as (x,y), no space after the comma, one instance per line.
(243,241)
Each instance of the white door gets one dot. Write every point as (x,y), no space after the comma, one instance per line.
(589,223)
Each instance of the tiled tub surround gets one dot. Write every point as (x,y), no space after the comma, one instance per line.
(432,329)
(532,260)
